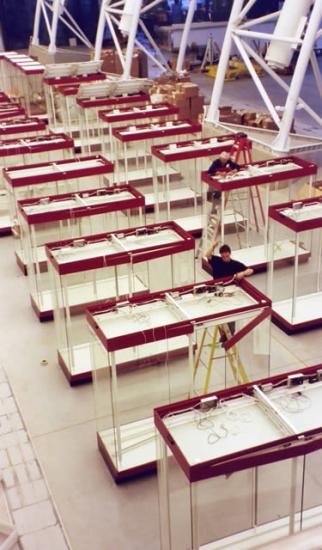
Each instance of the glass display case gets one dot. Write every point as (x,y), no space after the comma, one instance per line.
(4,70)
(66,74)
(22,127)
(238,211)
(54,178)
(25,151)
(171,344)
(132,146)
(71,215)
(90,103)
(9,71)
(132,114)
(240,468)
(296,291)
(111,265)
(27,81)
(177,190)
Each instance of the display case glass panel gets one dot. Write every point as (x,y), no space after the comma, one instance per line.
(243,454)
(296,290)
(142,335)
(237,213)
(132,146)
(118,265)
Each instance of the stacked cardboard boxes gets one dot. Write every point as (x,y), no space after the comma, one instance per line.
(253,119)
(182,93)
(112,63)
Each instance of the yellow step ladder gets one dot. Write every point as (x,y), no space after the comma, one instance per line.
(232,354)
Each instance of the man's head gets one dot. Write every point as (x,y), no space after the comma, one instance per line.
(225,252)
(224,156)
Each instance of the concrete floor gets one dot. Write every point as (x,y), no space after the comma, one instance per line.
(97,514)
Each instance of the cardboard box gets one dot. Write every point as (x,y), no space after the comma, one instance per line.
(225,110)
(233,118)
(184,112)
(134,66)
(197,103)
(190,89)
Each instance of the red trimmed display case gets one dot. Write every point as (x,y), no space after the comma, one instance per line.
(110,265)
(22,151)
(176,178)
(89,106)
(240,468)
(27,85)
(296,290)
(132,146)
(239,214)
(170,345)
(70,75)
(88,212)
(133,114)
(55,177)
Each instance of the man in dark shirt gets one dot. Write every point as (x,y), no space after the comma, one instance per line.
(223,164)
(224,265)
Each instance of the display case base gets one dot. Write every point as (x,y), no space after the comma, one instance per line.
(141,461)
(42,261)
(308,313)
(256,257)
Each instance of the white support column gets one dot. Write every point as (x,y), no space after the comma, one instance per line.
(131,39)
(281,142)
(53,34)
(185,35)
(35,35)
(100,30)
(213,111)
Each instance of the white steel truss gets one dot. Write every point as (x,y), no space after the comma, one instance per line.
(294,30)
(52,12)
(126,15)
